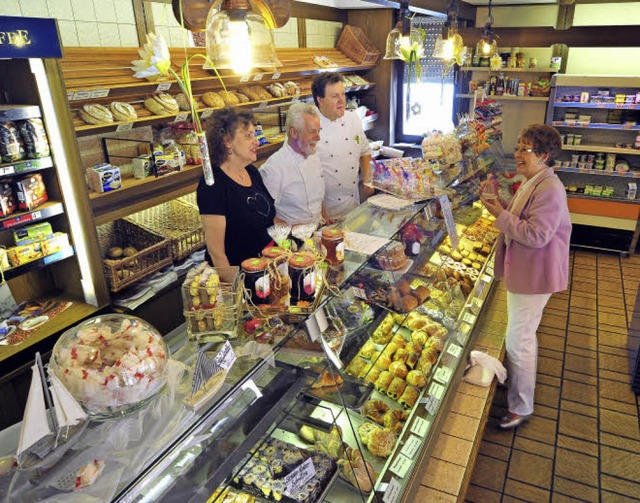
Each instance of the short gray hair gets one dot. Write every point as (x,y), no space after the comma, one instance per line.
(296,113)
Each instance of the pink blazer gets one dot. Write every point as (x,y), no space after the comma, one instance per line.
(537,258)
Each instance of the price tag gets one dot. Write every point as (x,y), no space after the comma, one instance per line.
(476,304)
(431,404)
(411,446)
(602,105)
(70,95)
(275,76)
(436,390)
(257,77)
(420,426)
(206,114)
(443,375)
(82,95)
(100,93)
(462,337)
(454,350)
(126,126)
(486,278)
(302,474)
(469,318)
(447,211)
(181,117)
(165,86)
(295,99)
(393,492)
(358,292)
(400,465)
(225,357)
(262,104)
(244,78)
(9,170)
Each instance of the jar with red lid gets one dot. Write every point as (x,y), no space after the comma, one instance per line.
(278,274)
(333,242)
(302,272)
(256,280)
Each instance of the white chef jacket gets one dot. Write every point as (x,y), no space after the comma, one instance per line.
(342,143)
(295,183)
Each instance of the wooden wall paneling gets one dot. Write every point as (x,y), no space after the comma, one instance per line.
(377,23)
(302,32)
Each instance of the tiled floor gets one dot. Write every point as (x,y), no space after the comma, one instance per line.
(583,443)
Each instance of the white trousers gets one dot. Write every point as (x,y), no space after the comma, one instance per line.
(525,312)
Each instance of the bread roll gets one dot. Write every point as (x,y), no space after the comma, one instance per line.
(396,388)
(422,293)
(398,369)
(95,114)
(416,378)
(409,303)
(183,102)
(122,112)
(409,397)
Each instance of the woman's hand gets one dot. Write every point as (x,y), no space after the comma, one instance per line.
(494,207)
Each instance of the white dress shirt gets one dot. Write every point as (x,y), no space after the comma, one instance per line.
(296,184)
(342,143)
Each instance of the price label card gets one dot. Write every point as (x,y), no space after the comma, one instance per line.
(443,375)
(165,86)
(262,104)
(126,126)
(100,93)
(275,76)
(244,78)
(295,99)
(302,474)
(436,390)
(486,278)
(469,318)
(411,446)
(400,465)
(462,337)
(431,404)
(447,212)
(257,77)
(225,357)
(393,492)
(9,170)
(181,117)
(420,426)
(82,95)
(70,95)
(206,114)
(454,349)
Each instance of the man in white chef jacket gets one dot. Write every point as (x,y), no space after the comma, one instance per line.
(343,149)
(293,175)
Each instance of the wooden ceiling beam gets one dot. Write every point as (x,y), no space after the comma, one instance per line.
(577,36)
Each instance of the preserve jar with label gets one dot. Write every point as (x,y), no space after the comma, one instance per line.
(278,274)
(333,242)
(302,272)
(256,280)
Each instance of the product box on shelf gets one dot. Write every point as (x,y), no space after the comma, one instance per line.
(19,255)
(8,204)
(33,233)
(104,178)
(59,241)
(31,192)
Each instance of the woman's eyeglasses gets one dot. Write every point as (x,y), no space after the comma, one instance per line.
(523,150)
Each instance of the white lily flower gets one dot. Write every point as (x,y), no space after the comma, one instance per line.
(155,59)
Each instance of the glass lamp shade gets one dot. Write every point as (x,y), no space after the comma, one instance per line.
(486,47)
(239,42)
(393,43)
(449,48)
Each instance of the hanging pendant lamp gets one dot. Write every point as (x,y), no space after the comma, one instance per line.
(487,45)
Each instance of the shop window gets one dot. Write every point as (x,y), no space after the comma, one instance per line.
(425,103)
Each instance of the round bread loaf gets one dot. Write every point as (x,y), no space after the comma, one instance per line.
(123,112)
(213,100)
(183,102)
(95,114)
(229,98)
(161,104)
(242,98)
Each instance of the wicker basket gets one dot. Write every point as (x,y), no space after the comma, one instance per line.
(178,221)
(354,44)
(154,253)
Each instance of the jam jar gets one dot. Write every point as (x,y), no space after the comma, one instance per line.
(333,242)
(280,283)
(256,279)
(302,272)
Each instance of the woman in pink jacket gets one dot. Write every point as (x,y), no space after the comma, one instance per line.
(532,254)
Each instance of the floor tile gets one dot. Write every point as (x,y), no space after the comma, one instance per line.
(621,407)
(624,425)
(614,376)
(621,330)
(540,429)
(550,380)
(577,353)
(583,320)
(576,337)
(547,395)
(609,497)
(558,332)
(579,408)
(577,445)
(443,476)
(561,498)
(468,405)
(428,494)
(549,366)
(611,319)
(615,363)
(550,353)
(573,488)
(534,447)
(590,379)
(579,426)
(526,492)
(494,450)
(583,302)
(611,350)
(530,469)
(489,473)
(461,426)
(549,341)
(623,443)
(628,488)
(621,464)
(547,412)
(579,392)
(477,494)
(452,449)
(577,467)
(497,436)
(616,390)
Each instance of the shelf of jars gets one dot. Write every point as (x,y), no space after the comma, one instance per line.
(596,125)
(612,149)
(536,69)
(507,97)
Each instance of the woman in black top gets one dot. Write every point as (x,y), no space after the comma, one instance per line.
(237,209)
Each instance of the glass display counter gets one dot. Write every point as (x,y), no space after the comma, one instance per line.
(342,407)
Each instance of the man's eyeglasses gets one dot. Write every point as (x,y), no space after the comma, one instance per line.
(523,150)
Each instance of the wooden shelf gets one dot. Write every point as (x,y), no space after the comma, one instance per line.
(14,272)
(78,311)
(584,171)
(507,97)
(609,106)
(46,210)
(601,148)
(25,166)
(509,70)
(137,195)
(596,125)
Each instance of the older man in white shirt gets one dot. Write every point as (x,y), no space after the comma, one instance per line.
(293,175)
(344,149)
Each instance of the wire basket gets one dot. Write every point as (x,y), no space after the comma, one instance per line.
(354,44)
(212,311)
(178,221)
(153,252)
(189,199)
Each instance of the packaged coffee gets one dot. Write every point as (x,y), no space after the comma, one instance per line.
(35,138)
(11,146)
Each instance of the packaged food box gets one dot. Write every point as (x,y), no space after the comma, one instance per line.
(104,178)
(141,166)
(31,192)
(22,254)
(11,145)
(33,233)
(8,204)
(632,189)
(59,241)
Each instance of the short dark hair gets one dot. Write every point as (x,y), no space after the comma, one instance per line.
(320,83)
(544,139)
(221,127)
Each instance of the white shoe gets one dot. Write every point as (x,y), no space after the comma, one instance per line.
(511,421)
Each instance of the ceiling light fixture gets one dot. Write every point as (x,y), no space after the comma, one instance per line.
(238,38)
(487,45)
(449,46)
(402,30)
